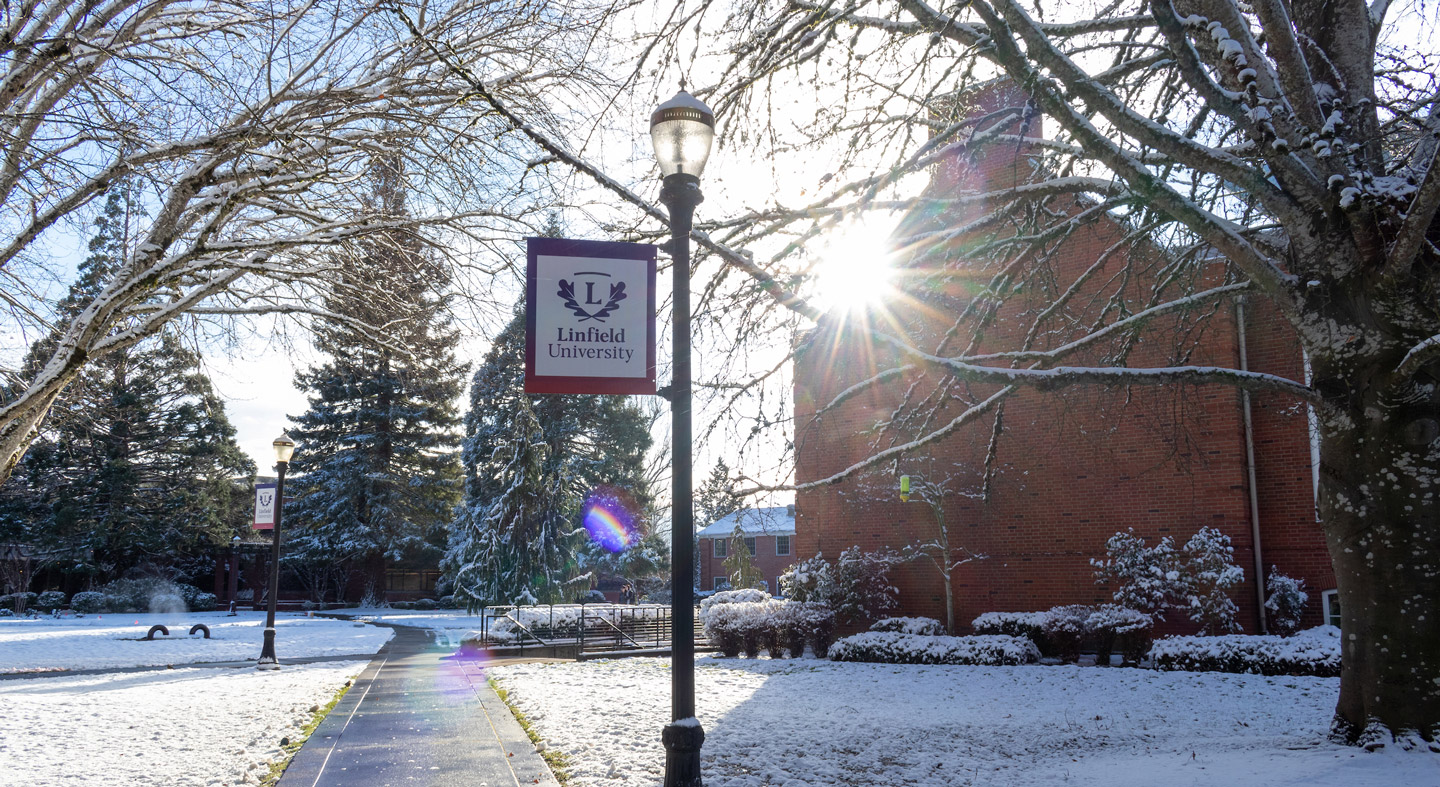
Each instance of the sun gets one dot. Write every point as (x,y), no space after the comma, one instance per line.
(855,266)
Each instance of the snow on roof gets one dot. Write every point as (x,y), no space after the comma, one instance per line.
(774,521)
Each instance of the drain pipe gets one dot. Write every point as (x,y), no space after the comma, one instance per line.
(1250,472)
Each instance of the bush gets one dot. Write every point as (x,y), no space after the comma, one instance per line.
(926,626)
(1117,627)
(1210,575)
(1315,652)
(309,605)
(448,602)
(1141,577)
(19,602)
(809,580)
(402,605)
(734,626)
(1066,628)
(897,648)
(1285,602)
(50,600)
(1011,624)
(745,596)
(203,602)
(147,594)
(863,589)
(88,602)
(425,603)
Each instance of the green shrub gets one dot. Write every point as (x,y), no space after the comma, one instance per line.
(88,602)
(50,600)
(889,647)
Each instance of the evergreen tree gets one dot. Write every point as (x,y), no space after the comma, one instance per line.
(377,476)
(136,465)
(530,464)
(716,497)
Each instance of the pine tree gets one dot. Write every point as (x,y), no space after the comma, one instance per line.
(530,464)
(137,463)
(377,476)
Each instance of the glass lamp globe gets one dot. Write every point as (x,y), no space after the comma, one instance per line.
(682,130)
(284,447)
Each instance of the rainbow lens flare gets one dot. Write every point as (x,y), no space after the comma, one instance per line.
(609,521)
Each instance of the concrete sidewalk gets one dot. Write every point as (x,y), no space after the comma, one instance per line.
(418,715)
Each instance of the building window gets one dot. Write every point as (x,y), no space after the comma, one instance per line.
(1331,601)
(411,581)
(750,545)
(782,545)
(722,547)
(721,583)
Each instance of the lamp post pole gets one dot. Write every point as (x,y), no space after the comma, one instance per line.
(683,736)
(284,447)
(681,130)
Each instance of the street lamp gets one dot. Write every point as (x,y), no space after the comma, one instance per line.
(284,449)
(681,130)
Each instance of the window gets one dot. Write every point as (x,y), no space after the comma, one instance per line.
(404,580)
(721,583)
(721,547)
(1331,601)
(750,545)
(782,545)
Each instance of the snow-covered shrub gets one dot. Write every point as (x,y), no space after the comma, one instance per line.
(426,603)
(743,596)
(733,626)
(1010,624)
(448,602)
(812,579)
(203,602)
(1066,628)
(897,648)
(863,589)
(6,612)
(309,605)
(19,602)
(50,600)
(1210,574)
(1307,653)
(147,594)
(1115,626)
(929,627)
(1285,599)
(88,602)
(1141,577)
(402,604)
(806,621)
(592,597)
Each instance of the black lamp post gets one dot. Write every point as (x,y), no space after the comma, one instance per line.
(284,449)
(681,130)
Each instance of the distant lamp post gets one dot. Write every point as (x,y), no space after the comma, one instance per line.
(284,449)
(681,130)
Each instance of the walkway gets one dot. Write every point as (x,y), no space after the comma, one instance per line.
(418,715)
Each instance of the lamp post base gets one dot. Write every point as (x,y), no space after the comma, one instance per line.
(682,741)
(268,660)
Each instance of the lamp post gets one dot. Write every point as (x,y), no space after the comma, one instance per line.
(284,449)
(681,130)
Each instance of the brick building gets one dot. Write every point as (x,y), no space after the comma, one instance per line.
(768,533)
(1070,467)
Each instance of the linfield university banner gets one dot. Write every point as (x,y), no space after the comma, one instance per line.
(589,317)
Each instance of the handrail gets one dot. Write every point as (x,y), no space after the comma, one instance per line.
(527,630)
(619,631)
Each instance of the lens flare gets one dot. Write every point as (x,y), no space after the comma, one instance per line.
(609,521)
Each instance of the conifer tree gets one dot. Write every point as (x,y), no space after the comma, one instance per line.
(137,464)
(377,474)
(530,463)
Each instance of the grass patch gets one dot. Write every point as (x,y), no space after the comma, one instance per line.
(287,752)
(559,763)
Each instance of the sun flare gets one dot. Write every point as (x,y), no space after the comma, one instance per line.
(855,267)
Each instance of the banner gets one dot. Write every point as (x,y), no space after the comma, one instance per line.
(589,317)
(264,507)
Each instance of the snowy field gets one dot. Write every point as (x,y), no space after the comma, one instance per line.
(808,723)
(116,640)
(446,625)
(181,727)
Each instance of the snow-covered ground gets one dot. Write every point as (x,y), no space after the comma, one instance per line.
(110,641)
(181,727)
(446,625)
(807,722)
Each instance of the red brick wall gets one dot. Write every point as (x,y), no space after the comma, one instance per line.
(1075,465)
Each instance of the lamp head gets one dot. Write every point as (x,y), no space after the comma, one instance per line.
(681,130)
(284,448)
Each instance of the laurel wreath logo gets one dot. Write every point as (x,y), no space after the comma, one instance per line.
(617,294)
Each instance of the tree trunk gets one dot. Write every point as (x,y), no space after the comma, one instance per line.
(1380,473)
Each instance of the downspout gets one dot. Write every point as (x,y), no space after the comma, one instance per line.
(1250,472)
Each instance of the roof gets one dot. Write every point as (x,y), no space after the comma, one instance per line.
(774,521)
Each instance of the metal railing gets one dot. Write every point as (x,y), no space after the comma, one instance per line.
(591,628)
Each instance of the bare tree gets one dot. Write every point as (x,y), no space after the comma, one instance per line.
(246,126)
(1281,150)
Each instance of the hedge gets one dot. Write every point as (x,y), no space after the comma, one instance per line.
(895,648)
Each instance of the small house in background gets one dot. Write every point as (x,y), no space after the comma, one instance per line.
(769,534)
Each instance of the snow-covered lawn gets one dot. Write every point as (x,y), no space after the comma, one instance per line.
(187,726)
(110,641)
(807,723)
(446,625)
